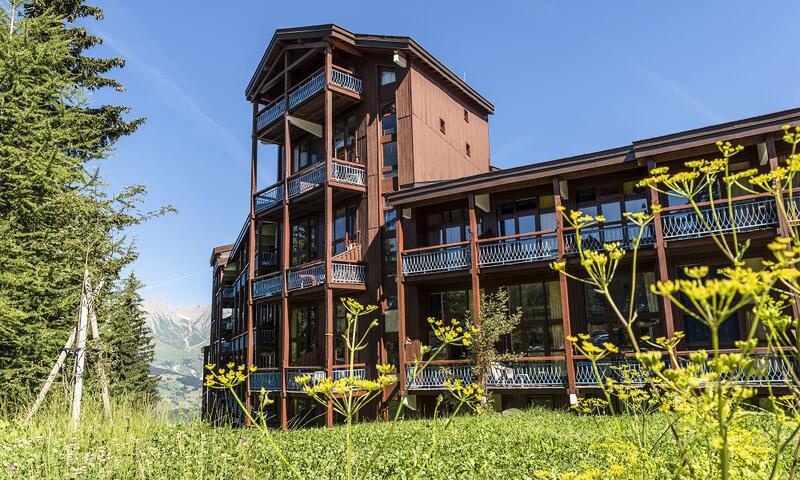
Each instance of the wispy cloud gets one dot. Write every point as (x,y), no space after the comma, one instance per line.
(193,111)
(679,93)
(173,280)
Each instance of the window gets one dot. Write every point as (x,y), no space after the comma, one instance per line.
(390,220)
(339,329)
(469,151)
(442,126)
(390,256)
(389,119)
(447,227)
(345,228)
(602,322)
(387,76)
(344,139)
(540,331)
(526,216)
(466,115)
(390,155)
(305,153)
(302,331)
(612,202)
(304,241)
(448,306)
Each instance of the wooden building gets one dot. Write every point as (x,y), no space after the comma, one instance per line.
(385,194)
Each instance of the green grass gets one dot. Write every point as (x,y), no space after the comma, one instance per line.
(532,444)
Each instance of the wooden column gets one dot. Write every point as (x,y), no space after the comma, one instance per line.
(564,287)
(401,303)
(784,229)
(474,269)
(286,248)
(251,265)
(661,254)
(328,140)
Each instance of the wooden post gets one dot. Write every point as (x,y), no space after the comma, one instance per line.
(401,302)
(661,254)
(50,378)
(101,372)
(83,321)
(572,389)
(474,254)
(286,248)
(328,140)
(251,255)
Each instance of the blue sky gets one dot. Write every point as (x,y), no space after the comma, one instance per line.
(565,78)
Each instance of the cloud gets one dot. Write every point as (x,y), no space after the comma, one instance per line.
(680,93)
(173,280)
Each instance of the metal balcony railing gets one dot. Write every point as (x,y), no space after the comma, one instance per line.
(265,336)
(521,249)
(346,80)
(270,114)
(305,91)
(270,381)
(349,173)
(227,293)
(268,259)
(622,371)
(769,370)
(268,286)
(316,374)
(434,376)
(306,181)
(348,273)
(306,277)
(340,373)
(528,374)
(747,215)
(270,197)
(594,238)
(227,325)
(441,259)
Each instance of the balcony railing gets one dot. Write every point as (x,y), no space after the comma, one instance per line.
(227,293)
(594,238)
(270,114)
(306,90)
(346,80)
(306,277)
(265,336)
(622,371)
(434,376)
(747,215)
(269,197)
(518,249)
(316,373)
(528,374)
(306,181)
(270,381)
(227,325)
(340,373)
(437,259)
(268,286)
(769,370)
(348,273)
(349,173)
(267,259)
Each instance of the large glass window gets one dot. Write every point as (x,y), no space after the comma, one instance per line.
(389,119)
(345,228)
(611,202)
(302,331)
(304,241)
(451,305)
(604,325)
(305,153)
(540,331)
(526,216)
(389,155)
(447,227)
(390,256)
(344,139)
(387,76)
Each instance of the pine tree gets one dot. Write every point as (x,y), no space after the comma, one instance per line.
(56,214)
(127,343)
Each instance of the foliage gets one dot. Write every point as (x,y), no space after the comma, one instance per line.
(495,322)
(56,214)
(704,396)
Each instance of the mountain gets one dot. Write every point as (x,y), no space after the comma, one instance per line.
(179,334)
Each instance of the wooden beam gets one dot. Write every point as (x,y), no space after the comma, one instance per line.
(288,68)
(328,141)
(285,251)
(566,325)
(661,253)
(474,268)
(401,303)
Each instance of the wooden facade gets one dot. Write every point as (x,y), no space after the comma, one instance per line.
(385,193)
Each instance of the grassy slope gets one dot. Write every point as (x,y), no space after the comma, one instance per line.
(137,446)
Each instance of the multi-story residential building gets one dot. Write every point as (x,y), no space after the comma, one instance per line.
(384,193)
(355,117)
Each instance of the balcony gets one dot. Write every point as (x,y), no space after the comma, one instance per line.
(769,371)
(747,215)
(349,273)
(622,371)
(435,374)
(268,286)
(265,336)
(227,293)
(517,249)
(267,259)
(305,181)
(227,325)
(349,173)
(446,258)
(306,90)
(594,238)
(269,197)
(538,373)
(317,374)
(358,372)
(269,381)
(306,277)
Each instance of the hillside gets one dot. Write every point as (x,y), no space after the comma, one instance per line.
(179,334)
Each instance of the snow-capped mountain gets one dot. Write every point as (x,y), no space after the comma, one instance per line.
(179,334)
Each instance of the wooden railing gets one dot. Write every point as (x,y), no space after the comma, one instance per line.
(441,258)
(527,247)
(749,213)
